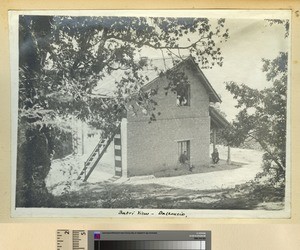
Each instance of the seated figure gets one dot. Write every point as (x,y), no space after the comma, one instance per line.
(215,156)
(184,160)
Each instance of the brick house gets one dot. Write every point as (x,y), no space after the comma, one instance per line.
(184,124)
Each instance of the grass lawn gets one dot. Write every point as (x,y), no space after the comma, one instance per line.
(152,196)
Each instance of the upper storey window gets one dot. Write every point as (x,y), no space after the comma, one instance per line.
(183,94)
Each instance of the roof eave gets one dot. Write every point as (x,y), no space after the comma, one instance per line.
(218,119)
(213,96)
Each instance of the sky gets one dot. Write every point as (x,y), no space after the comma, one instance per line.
(251,39)
(249,42)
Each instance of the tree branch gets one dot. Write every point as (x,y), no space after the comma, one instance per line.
(265,148)
(140,44)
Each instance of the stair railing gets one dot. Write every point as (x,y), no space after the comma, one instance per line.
(99,150)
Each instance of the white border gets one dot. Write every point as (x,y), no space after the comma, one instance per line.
(14,62)
(153,213)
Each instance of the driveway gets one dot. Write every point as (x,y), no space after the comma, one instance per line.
(251,160)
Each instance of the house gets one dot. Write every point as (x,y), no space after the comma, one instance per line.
(183,126)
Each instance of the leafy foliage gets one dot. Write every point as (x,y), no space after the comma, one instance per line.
(262,115)
(69,56)
(62,61)
(284,23)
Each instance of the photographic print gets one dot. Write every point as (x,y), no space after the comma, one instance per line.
(150,113)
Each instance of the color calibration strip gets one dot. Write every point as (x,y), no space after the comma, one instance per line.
(151,240)
(150,245)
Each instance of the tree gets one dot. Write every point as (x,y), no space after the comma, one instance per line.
(64,58)
(75,53)
(283,22)
(262,114)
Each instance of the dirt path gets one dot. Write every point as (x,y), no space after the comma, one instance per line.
(63,176)
(251,160)
(211,190)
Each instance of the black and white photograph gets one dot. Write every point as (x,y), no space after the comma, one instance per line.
(150,113)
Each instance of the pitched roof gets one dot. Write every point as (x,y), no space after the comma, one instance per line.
(106,87)
(213,96)
(217,119)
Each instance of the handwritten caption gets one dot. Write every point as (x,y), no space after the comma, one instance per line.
(126,212)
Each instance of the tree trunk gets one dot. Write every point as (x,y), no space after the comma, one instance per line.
(214,139)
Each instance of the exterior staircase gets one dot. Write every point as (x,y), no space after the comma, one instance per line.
(92,161)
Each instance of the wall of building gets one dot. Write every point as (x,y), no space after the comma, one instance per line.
(199,100)
(154,146)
